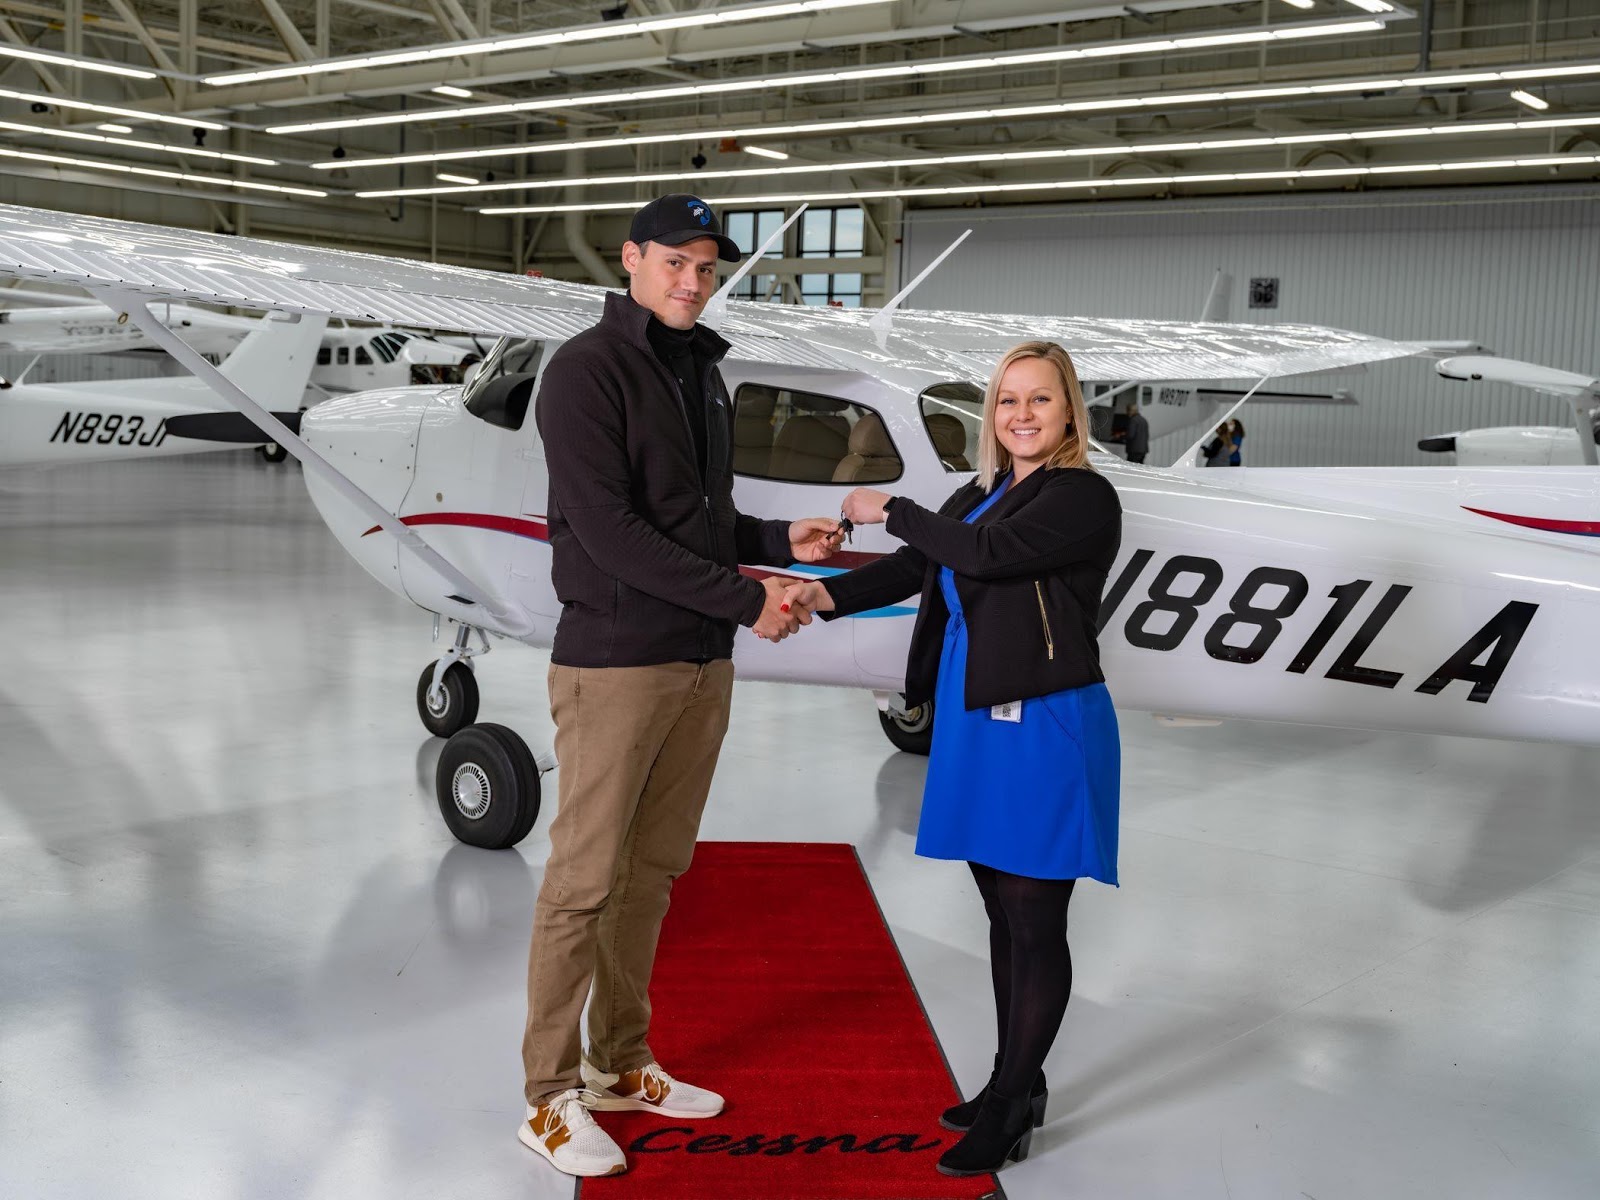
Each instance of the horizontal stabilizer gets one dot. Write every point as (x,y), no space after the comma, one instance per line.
(226,427)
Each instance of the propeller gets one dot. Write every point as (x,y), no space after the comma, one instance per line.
(226,427)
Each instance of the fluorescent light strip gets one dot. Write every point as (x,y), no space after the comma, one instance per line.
(1103,50)
(109,109)
(1530,100)
(71,60)
(990,189)
(605,31)
(445,89)
(465,180)
(1113,150)
(764,152)
(64,160)
(1053,108)
(80,136)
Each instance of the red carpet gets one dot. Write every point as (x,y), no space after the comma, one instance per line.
(777,984)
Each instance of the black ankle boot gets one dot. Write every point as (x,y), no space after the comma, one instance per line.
(959,1117)
(1001,1133)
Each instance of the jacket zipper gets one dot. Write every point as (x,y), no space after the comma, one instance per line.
(1044,619)
(705,494)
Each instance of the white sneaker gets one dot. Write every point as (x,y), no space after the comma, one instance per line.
(561,1131)
(650,1089)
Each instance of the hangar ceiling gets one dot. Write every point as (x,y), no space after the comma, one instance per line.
(458,129)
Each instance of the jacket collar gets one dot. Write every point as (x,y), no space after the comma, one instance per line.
(1016,495)
(630,320)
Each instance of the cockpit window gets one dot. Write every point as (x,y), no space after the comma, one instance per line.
(503,387)
(953,414)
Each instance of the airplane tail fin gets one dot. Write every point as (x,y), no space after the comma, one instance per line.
(1219,301)
(275,359)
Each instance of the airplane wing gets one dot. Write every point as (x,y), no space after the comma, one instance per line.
(64,248)
(1111,349)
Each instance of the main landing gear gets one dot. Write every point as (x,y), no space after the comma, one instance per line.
(487,782)
(910,729)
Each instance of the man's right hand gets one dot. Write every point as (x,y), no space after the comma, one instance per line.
(775,623)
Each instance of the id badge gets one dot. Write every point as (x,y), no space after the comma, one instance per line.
(1010,711)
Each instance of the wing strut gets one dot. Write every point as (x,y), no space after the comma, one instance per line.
(1191,456)
(275,430)
(883,320)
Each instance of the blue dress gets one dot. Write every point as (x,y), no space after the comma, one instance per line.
(1038,797)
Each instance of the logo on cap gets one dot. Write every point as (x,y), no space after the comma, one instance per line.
(700,212)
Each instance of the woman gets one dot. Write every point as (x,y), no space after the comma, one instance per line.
(1220,447)
(1023,778)
(1236,440)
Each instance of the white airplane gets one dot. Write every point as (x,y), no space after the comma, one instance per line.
(93,329)
(1524,445)
(350,359)
(1359,599)
(54,424)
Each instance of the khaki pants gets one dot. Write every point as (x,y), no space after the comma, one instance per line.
(637,747)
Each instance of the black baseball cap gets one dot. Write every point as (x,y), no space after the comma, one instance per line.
(679,218)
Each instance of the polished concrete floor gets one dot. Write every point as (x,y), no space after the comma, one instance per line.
(241,957)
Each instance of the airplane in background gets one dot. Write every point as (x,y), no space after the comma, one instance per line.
(1319,597)
(52,424)
(350,359)
(1524,445)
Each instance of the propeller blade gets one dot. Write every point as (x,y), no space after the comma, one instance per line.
(226,427)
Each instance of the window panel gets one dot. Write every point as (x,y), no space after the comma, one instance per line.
(803,437)
(816,236)
(953,416)
(847,231)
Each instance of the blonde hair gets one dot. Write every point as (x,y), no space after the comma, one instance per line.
(994,460)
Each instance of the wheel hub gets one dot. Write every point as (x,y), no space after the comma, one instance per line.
(438,701)
(913,720)
(471,791)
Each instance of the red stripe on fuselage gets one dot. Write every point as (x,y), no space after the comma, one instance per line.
(1548,524)
(535,527)
(537,530)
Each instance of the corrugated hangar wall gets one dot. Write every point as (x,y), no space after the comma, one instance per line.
(1516,269)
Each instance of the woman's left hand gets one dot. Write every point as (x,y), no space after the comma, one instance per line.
(865,506)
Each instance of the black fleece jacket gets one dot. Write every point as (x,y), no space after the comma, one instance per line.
(1030,572)
(646,545)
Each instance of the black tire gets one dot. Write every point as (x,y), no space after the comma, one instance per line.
(912,732)
(488,787)
(460,700)
(274,453)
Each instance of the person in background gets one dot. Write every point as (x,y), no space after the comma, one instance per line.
(1236,442)
(646,545)
(1025,768)
(1137,439)
(1218,449)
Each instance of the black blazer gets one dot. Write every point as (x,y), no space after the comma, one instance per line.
(1029,573)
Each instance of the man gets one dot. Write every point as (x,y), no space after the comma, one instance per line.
(637,429)
(1137,438)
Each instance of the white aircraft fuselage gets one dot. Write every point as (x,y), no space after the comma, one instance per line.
(1371,599)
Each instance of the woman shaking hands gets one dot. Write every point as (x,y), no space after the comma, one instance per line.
(1024,774)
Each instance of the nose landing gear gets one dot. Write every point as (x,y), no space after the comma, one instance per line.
(487,781)
(447,692)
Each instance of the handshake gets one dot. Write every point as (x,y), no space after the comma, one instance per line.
(789,604)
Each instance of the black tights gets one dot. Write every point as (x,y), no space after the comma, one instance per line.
(1032,969)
